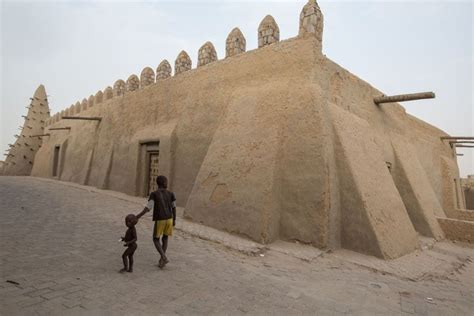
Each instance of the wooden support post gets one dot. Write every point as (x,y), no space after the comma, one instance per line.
(81,118)
(461,142)
(404,97)
(457,137)
(40,135)
(59,128)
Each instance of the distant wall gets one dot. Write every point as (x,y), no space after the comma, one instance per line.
(20,157)
(467,186)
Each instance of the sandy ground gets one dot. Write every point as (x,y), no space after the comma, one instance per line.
(60,250)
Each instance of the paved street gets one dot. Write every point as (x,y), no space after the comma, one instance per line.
(60,256)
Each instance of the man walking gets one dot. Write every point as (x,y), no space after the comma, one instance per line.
(163,204)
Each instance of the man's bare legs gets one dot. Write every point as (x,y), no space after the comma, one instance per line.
(164,241)
(161,247)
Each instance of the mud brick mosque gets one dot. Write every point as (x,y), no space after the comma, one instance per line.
(281,136)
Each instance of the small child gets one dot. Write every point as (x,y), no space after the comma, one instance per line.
(130,241)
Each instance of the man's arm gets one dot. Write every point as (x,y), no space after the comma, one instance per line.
(143,212)
(173,207)
(148,207)
(174,216)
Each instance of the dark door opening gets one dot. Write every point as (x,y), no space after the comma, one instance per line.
(153,171)
(56,161)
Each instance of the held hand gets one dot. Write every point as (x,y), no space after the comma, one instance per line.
(174,223)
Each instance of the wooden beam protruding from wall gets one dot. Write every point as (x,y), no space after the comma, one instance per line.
(81,118)
(40,135)
(404,97)
(457,138)
(59,128)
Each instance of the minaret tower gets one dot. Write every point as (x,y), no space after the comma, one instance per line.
(20,157)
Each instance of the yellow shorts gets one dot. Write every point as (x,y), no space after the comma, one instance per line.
(164,227)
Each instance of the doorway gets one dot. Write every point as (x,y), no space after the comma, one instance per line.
(153,170)
(148,166)
(56,161)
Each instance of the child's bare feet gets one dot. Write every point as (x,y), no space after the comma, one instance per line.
(130,270)
(123,270)
(163,262)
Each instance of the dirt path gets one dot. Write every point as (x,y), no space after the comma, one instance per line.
(60,246)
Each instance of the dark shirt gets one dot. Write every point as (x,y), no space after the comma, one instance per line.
(131,234)
(162,204)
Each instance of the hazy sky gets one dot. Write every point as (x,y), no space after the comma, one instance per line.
(76,48)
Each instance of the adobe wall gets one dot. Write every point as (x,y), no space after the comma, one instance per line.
(458,229)
(278,142)
(251,137)
(194,102)
(467,186)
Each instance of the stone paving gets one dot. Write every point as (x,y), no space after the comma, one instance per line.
(60,256)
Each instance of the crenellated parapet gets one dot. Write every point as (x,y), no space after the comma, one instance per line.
(163,71)
(71,109)
(268,32)
(147,77)
(119,88)
(84,105)
(90,101)
(311,21)
(133,83)
(310,25)
(235,43)
(207,54)
(77,107)
(183,63)
(108,93)
(98,98)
